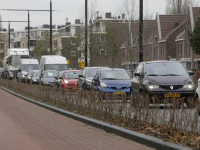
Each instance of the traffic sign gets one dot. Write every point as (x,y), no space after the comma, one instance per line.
(82,64)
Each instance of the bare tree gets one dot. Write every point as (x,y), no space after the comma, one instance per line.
(179,7)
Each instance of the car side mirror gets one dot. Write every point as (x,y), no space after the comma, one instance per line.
(95,79)
(19,70)
(6,62)
(191,73)
(137,74)
(80,75)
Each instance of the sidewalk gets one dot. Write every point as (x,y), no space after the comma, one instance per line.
(26,126)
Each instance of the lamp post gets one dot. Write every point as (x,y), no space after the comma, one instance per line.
(28,10)
(141,32)
(86,33)
(9,29)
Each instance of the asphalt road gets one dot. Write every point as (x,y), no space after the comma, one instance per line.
(26,126)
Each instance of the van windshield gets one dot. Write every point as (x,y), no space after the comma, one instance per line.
(58,67)
(27,67)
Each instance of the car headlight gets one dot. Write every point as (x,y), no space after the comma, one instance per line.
(23,76)
(66,81)
(103,85)
(35,80)
(152,86)
(189,85)
(10,74)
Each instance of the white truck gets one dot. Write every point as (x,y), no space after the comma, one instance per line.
(52,62)
(25,66)
(11,62)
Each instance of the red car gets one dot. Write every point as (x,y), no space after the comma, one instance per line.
(70,79)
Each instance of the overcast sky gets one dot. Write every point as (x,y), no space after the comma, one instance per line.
(70,9)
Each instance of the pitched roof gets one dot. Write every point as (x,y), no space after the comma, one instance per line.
(168,22)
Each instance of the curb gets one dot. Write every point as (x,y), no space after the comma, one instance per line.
(128,134)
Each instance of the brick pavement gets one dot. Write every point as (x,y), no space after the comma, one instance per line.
(25,126)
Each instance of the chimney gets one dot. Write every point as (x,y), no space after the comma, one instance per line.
(108,15)
(67,23)
(77,21)
(123,16)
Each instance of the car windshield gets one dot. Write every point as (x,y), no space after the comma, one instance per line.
(59,67)
(27,67)
(72,75)
(165,69)
(36,74)
(91,72)
(50,74)
(114,75)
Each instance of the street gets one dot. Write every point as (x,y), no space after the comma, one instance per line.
(24,125)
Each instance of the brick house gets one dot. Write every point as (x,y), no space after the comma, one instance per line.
(101,49)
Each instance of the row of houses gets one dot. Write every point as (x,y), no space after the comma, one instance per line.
(113,41)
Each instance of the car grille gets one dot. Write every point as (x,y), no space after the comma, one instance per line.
(168,87)
(115,88)
(71,85)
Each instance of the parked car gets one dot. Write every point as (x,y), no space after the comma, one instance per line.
(28,78)
(115,81)
(34,77)
(47,77)
(58,78)
(85,80)
(70,79)
(162,78)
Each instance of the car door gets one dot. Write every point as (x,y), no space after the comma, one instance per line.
(137,80)
(96,83)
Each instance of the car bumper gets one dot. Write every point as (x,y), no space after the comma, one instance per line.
(66,86)
(163,93)
(112,91)
(48,84)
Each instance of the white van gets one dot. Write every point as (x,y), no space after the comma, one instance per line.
(53,62)
(25,66)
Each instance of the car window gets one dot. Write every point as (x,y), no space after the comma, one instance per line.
(165,69)
(114,75)
(72,75)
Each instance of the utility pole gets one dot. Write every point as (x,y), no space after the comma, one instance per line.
(141,32)
(9,29)
(86,32)
(29,22)
(50,27)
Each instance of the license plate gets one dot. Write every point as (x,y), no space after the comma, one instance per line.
(52,84)
(172,95)
(75,88)
(119,92)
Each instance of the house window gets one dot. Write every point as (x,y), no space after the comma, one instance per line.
(102,52)
(163,51)
(6,46)
(187,51)
(73,42)
(73,53)
(154,51)
(22,45)
(178,49)
(181,49)
(102,39)
(26,44)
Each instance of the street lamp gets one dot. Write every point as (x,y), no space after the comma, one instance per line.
(29,21)
(141,32)
(9,29)
(86,32)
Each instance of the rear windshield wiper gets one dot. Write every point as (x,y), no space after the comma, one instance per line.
(109,79)
(152,75)
(169,75)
